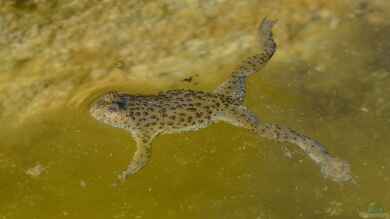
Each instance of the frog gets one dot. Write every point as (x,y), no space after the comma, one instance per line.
(175,111)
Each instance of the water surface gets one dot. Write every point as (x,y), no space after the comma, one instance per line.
(330,79)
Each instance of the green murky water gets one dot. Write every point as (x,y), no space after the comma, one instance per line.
(330,81)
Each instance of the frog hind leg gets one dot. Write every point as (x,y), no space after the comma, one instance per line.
(331,167)
(235,86)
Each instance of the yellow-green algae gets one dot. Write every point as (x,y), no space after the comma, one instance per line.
(329,79)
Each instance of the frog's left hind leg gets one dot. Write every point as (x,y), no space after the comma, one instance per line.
(142,154)
(331,167)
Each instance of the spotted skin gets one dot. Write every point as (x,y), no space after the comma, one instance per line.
(175,111)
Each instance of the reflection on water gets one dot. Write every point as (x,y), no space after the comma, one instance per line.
(329,79)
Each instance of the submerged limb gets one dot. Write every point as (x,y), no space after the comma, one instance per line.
(141,156)
(331,167)
(234,87)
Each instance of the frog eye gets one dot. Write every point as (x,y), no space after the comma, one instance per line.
(114,107)
(122,103)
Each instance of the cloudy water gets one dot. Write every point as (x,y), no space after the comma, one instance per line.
(329,79)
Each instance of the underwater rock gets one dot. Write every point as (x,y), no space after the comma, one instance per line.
(36,170)
(57,53)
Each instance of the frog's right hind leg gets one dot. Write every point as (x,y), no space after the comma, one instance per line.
(331,167)
(234,87)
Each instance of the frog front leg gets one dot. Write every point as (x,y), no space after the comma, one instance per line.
(142,154)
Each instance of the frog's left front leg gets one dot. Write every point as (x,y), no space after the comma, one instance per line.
(142,154)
